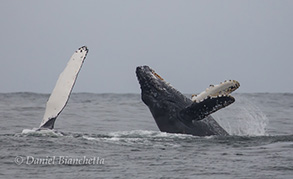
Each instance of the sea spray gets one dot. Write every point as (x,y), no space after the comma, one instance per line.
(243,118)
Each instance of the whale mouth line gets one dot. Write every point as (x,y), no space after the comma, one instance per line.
(157,75)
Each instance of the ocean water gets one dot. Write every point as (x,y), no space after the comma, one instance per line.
(115,136)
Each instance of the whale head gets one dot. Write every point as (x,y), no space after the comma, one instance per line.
(154,89)
(162,99)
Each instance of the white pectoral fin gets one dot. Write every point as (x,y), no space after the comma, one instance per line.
(63,88)
(224,88)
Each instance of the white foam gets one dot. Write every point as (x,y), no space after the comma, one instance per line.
(28,131)
(90,138)
(43,132)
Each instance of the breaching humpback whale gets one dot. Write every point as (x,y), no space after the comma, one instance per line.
(64,85)
(175,113)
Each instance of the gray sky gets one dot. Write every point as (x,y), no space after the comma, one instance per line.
(191,44)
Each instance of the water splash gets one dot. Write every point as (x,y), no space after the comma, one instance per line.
(243,118)
(40,133)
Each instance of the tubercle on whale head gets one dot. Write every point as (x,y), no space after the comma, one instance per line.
(153,87)
(148,78)
(149,84)
(147,72)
